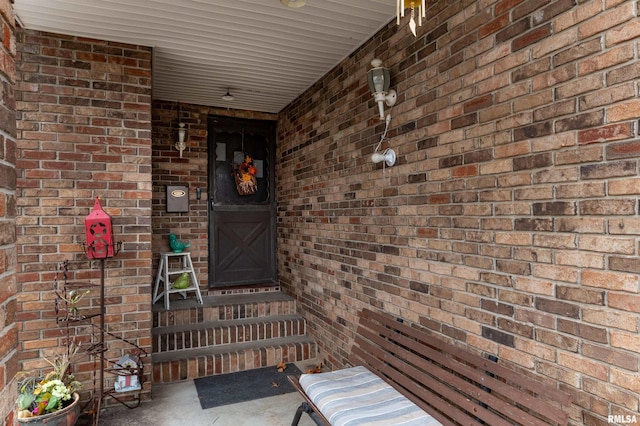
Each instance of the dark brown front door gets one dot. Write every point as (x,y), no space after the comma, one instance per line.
(241,218)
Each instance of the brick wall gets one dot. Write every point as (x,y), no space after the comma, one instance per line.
(510,221)
(190,170)
(84,131)
(8,290)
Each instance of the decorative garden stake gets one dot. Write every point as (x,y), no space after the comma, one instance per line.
(99,234)
(99,245)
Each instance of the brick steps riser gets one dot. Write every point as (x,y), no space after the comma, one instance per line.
(198,315)
(222,363)
(225,335)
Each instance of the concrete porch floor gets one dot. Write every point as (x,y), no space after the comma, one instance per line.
(177,404)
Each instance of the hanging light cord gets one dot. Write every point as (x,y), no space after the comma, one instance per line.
(382,138)
(384,135)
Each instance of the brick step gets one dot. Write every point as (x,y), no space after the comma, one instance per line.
(222,308)
(191,336)
(189,364)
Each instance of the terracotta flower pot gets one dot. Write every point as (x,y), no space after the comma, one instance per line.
(65,417)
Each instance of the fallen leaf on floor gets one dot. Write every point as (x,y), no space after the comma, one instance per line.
(317,369)
(281,366)
(275,385)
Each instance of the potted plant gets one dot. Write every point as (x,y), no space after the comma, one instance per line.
(52,399)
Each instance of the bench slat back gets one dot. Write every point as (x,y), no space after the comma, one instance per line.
(454,386)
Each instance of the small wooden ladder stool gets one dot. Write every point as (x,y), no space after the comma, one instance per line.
(164,274)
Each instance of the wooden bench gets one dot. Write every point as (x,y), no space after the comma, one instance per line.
(454,386)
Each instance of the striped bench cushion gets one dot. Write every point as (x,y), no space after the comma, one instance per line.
(356,396)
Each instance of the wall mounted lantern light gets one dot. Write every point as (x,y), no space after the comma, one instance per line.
(181,145)
(401,5)
(379,82)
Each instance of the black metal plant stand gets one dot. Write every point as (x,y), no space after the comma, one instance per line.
(102,347)
(68,312)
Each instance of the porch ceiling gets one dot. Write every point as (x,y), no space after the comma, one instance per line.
(264,53)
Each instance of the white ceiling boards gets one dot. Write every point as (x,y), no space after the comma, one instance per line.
(264,53)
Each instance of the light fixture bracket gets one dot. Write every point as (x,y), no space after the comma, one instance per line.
(388,156)
(383,98)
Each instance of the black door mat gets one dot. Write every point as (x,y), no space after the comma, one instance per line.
(244,386)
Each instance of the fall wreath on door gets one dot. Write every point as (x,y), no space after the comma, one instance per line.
(245,176)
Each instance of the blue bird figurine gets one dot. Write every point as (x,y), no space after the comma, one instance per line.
(176,245)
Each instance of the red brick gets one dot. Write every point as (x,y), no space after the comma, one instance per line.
(625,379)
(478,103)
(620,358)
(607,133)
(629,149)
(531,37)
(606,60)
(470,170)
(607,20)
(494,25)
(611,393)
(623,111)
(610,280)
(577,51)
(624,302)
(629,31)
(581,329)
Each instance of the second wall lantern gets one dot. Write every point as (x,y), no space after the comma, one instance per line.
(379,82)
(181,145)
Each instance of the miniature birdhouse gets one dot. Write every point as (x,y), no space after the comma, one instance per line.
(127,369)
(99,234)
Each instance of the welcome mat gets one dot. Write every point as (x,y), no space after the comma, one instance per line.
(242,386)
